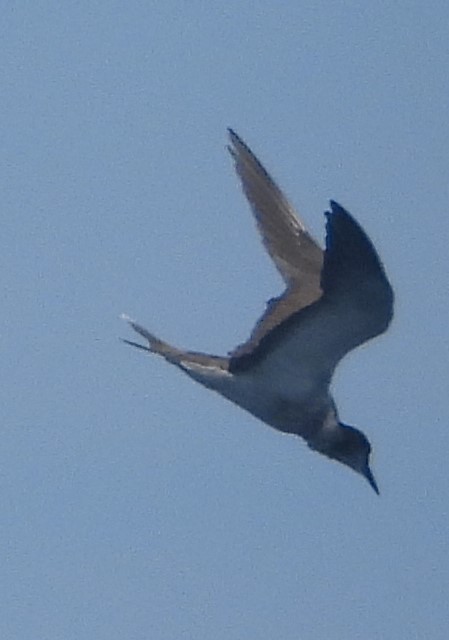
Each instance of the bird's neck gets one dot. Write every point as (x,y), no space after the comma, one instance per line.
(328,435)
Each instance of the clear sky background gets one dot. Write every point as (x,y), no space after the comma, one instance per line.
(134,503)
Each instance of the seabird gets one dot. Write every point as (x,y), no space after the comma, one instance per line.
(334,301)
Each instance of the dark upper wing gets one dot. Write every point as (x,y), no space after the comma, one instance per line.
(353,277)
(295,253)
(356,305)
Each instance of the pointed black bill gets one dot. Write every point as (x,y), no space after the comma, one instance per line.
(369,476)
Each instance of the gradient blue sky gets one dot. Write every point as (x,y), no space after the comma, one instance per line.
(136,504)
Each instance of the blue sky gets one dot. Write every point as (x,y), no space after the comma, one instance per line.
(136,504)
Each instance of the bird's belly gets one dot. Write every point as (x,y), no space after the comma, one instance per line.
(289,401)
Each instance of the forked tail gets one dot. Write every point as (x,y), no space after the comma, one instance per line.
(187,360)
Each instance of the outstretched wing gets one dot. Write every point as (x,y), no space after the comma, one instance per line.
(356,305)
(295,253)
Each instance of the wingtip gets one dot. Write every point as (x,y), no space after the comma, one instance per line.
(235,143)
(335,207)
(236,140)
(337,213)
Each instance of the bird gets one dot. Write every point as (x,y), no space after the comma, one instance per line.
(334,300)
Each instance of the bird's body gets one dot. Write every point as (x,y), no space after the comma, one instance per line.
(334,301)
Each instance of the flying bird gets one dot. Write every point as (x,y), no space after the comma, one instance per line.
(334,301)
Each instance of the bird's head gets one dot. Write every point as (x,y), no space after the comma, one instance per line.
(353,449)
